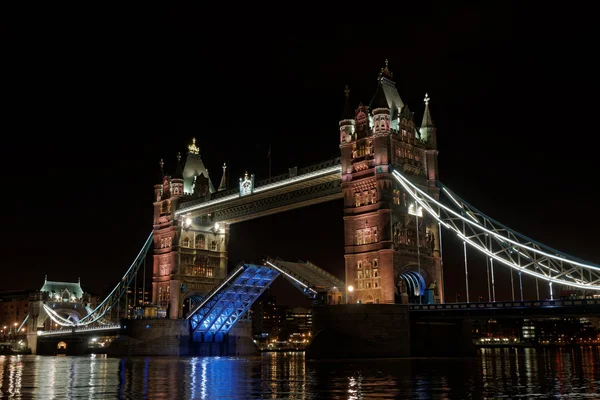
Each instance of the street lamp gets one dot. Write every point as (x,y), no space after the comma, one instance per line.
(350,290)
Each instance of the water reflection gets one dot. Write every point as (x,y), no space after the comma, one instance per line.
(497,373)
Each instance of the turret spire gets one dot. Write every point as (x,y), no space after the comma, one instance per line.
(179,170)
(427,121)
(223,184)
(385,71)
(348,112)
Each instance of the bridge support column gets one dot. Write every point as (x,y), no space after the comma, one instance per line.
(32,341)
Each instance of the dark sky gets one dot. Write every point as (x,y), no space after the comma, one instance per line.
(94,99)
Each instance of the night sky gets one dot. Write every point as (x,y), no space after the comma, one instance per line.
(94,99)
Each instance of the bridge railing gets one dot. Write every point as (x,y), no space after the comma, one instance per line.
(504,305)
(79,329)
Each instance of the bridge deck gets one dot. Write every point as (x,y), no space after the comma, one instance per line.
(308,274)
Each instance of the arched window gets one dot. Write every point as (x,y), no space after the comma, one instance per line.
(200,241)
(186,242)
(213,245)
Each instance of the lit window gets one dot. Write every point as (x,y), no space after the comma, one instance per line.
(186,242)
(357,199)
(396,196)
(200,241)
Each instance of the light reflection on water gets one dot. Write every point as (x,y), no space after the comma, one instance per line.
(496,373)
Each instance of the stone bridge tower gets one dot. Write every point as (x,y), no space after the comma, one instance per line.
(190,258)
(388,258)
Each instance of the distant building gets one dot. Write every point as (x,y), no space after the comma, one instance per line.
(13,309)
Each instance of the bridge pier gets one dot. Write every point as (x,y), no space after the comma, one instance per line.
(385,330)
(32,341)
(171,337)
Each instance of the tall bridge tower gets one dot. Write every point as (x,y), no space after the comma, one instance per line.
(392,249)
(190,256)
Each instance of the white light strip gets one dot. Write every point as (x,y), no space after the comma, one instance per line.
(76,330)
(460,205)
(492,255)
(299,178)
(57,318)
(401,179)
(23,323)
(215,291)
(286,274)
(146,246)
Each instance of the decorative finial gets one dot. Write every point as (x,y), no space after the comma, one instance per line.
(162,164)
(246,175)
(45,278)
(178,156)
(426,99)
(347,91)
(79,280)
(193,148)
(224,167)
(386,71)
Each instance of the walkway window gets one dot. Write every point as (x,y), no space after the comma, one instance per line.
(213,245)
(396,196)
(200,241)
(186,242)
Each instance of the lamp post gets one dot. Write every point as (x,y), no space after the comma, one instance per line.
(349,294)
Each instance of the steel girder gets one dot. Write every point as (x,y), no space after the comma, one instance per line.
(326,191)
(221,308)
(502,244)
(111,300)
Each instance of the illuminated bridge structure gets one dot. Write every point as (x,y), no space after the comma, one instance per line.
(503,247)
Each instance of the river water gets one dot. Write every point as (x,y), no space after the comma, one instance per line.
(496,373)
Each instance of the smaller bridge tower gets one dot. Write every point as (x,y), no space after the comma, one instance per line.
(391,248)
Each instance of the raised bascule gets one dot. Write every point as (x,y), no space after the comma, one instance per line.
(387,179)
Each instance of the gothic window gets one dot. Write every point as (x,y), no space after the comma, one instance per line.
(359,274)
(359,237)
(200,241)
(373,196)
(162,243)
(396,196)
(359,265)
(375,263)
(165,269)
(374,234)
(375,273)
(360,284)
(357,199)
(367,273)
(213,245)
(186,242)
(367,235)
(170,241)
(367,197)
(403,134)
(368,285)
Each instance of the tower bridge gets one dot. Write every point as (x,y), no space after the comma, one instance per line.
(395,209)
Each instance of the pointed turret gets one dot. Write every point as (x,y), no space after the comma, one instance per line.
(427,121)
(347,122)
(428,129)
(380,105)
(177,180)
(159,181)
(223,184)
(179,171)
(379,100)
(194,167)
(348,111)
